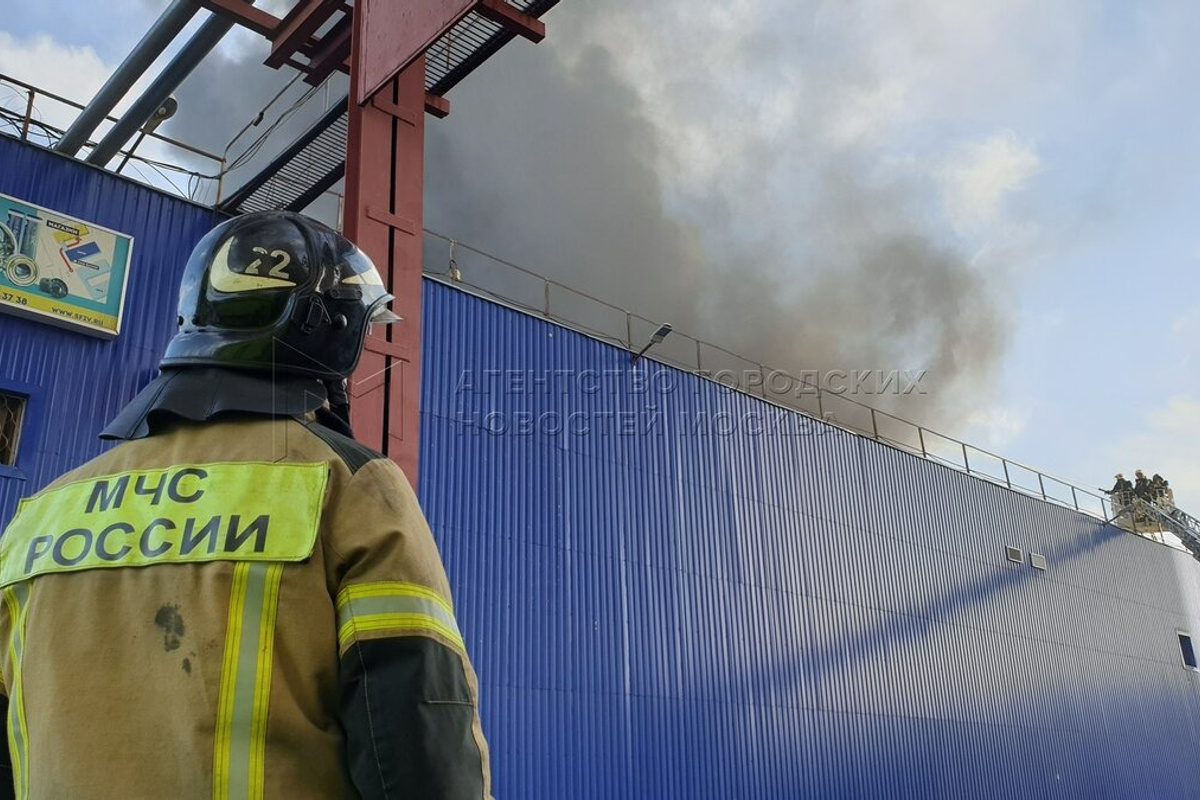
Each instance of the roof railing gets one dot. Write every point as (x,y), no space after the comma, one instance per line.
(488,275)
(25,124)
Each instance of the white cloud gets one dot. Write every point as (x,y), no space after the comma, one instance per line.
(71,72)
(978,177)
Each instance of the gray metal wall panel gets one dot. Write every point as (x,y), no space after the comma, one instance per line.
(79,382)
(705,611)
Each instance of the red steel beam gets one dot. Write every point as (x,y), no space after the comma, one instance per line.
(331,54)
(385,167)
(520,23)
(437,105)
(301,24)
(244,14)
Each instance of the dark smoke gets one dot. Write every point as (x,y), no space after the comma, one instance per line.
(553,162)
(556,173)
(800,255)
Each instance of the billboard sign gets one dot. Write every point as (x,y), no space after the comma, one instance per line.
(61,270)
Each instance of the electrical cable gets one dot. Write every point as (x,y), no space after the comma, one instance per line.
(256,146)
(258,118)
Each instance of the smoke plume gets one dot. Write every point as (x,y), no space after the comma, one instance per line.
(746,175)
(737,187)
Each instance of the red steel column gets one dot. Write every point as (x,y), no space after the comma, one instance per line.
(385,162)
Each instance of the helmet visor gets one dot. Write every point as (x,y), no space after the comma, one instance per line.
(382,315)
(358,270)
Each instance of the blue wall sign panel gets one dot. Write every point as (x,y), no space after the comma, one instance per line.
(672,590)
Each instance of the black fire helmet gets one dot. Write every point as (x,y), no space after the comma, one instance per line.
(275,291)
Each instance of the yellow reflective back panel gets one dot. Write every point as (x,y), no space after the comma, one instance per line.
(244,511)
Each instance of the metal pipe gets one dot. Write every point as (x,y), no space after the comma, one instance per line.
(156,40)
(186,60)
(28,116)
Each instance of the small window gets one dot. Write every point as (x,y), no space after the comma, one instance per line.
(12,413)
(1186,650)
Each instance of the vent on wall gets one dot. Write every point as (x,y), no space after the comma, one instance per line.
(1015,555)
(1186,650)
(1037,561)
(12,413)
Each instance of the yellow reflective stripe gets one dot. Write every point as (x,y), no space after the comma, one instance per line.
(16,600)
(399,608)
(392,589)
(239,758)
(237,511)
(233,637)
(262,686)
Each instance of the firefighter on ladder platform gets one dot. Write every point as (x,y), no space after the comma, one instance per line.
(1122,491)
(239,601)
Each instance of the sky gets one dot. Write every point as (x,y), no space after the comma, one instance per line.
(1001,192)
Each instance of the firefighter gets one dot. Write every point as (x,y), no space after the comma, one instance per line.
(1158,487)
(239,601)
(1122,490)
(1141,486)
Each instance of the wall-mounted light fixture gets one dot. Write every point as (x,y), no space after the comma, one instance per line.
(659,335)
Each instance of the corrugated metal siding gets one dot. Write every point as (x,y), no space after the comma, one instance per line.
(662,604)
(680,613)
(79,382)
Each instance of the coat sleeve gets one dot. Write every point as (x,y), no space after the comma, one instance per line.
(408,693)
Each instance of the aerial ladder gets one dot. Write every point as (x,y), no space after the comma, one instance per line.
(1152,518)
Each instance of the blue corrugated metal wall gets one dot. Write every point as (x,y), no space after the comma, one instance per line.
(730,608)
(670,594)
(77,383)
